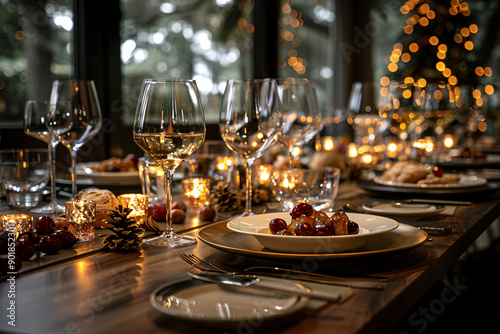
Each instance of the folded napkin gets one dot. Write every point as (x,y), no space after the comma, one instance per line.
(345,292)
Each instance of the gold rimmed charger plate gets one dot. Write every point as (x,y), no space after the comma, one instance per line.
(403,238)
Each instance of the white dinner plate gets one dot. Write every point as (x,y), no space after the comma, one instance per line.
(396,209)
(464,182)
(223,306)
(401,239)
(258,226)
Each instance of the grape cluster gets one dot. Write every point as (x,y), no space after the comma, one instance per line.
(45,238)
(306,221)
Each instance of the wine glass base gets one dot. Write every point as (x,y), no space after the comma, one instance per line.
(168,240)
(47,210)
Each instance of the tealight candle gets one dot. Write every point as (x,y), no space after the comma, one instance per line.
(17,223)
(263,175)
(138,203)
(223,163)
(80,215)
(196,192)
(328,143)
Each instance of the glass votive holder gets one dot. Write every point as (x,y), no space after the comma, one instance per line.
(18,223)
(81,215)
(196,192)
(139,205)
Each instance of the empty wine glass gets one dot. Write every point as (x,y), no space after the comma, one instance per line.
(301,113)
(371,111)
(82,98)
(37,125)
(169,126)
(250,122)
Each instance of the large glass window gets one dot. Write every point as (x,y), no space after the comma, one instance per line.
(209,41)
(306,44)
(36,47)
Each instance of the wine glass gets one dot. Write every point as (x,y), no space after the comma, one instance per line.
(36,125)
(440,107)
(81,96)
(250,122)
(301,113)
(371,111)
(169,126)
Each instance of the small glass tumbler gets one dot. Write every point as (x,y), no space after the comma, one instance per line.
(81,215)
(152,180)
(17,223)
(317,187)
(139,205)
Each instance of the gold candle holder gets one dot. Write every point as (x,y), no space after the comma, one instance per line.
(80,215)
(138,203)
(196,192)
(17,223)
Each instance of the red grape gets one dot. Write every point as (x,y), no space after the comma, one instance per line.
(302,209)
(50,245)
(44,225)
(352,227)
(322,229)
(67,239)
(179,205)
(178,216)
(207,213)
(158,212)
(276,225)
(25,249)
(438,171)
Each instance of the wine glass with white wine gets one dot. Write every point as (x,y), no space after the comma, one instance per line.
(169,126)
(37,124)
(250,122)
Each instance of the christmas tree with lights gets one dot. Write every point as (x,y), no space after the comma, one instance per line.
(437,49)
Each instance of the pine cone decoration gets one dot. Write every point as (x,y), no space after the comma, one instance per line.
(128,234)
(223,198)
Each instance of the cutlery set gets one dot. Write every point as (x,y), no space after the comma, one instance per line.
(434,228)
(366,282)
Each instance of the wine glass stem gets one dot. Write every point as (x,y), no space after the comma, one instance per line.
(52,160)
(73,171)
(169,231)
(290,156)
(248,202)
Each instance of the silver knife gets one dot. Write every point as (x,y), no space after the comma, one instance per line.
(254,281)
(435,201)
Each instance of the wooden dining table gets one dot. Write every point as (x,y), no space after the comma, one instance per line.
(107,292)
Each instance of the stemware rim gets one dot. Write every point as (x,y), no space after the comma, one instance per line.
(75,80)
(149,80)
(250,80)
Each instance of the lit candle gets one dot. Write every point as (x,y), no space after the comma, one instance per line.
(17,223)
(448,141)
(196,192)
(138,203)
(328,143)
(223,163)
(264,174)
(80,215)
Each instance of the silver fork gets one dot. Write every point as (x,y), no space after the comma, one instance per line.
(249,270)
(204,265)
(198,263)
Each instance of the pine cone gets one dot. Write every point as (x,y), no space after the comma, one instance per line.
(128,234)
(223,198)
